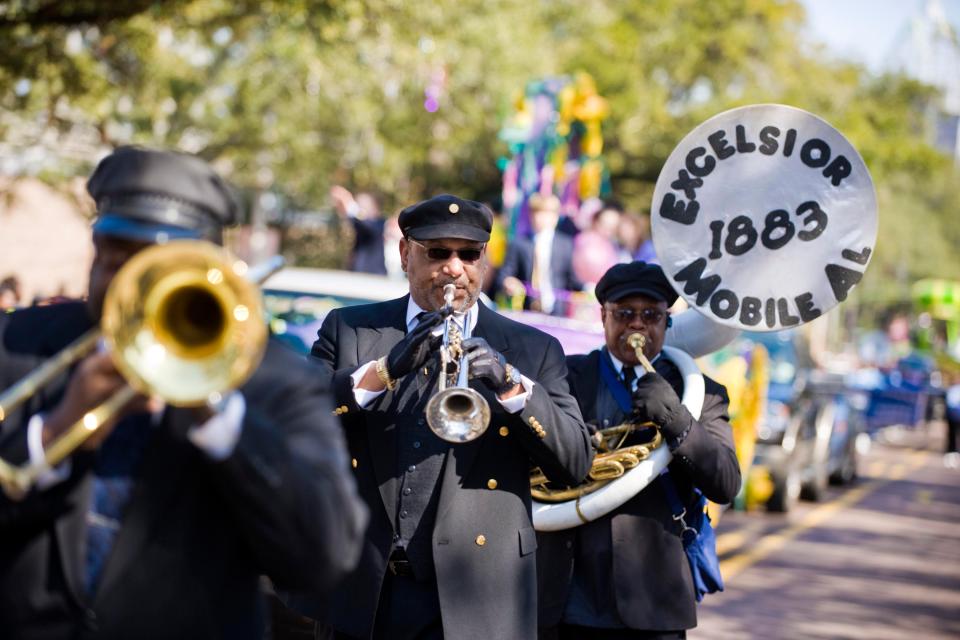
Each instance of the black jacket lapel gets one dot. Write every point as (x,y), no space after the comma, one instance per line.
(71,539)
(158,482)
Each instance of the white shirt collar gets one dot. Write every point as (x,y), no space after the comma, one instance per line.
(638,369)
(413,310)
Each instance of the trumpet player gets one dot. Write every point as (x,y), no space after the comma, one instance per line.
(161,524)
(450,551)
(625,575)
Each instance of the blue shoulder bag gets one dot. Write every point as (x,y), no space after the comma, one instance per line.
(696,532)
(699,541)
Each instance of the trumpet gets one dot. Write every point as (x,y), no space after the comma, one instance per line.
(613,459)
(182,321)
(456,413)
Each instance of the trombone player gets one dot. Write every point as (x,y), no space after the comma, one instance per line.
(625,575)
(450,551)
(162,522)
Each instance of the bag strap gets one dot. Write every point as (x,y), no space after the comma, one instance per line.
(677,508)
(617,390)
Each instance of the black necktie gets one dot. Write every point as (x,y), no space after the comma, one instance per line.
(628,375)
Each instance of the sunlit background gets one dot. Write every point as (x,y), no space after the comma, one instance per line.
(409,99)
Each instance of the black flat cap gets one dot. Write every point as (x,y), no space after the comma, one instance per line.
(447,217)
(635,279)
(154,196)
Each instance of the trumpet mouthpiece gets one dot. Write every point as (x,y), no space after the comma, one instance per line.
(636,340)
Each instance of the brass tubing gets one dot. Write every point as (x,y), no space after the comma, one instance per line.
(42,375)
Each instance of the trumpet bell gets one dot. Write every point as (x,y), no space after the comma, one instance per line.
(184,323)
(458,414)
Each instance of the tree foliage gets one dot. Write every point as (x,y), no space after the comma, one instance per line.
(291,96)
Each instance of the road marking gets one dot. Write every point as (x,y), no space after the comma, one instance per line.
(773,542)
(876,468)
(727,542)
(897,471)
(776,541)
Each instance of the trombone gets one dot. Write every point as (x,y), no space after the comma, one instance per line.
(456,413)
(182,321)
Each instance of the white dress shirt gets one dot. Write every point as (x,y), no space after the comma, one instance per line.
(542,254)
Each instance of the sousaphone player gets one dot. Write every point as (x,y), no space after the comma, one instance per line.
(625,575)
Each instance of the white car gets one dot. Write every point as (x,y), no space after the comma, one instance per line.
(298,299)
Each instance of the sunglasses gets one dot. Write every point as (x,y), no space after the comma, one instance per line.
(467,255)
(649,316)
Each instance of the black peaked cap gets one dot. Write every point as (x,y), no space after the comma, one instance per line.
(447,216)
(151,195)
(632,279)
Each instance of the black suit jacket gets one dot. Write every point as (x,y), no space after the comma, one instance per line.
(197,534)
(648,571)
(487,589)
(518,263)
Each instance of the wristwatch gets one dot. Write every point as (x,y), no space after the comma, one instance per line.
(381,368)
(512,376)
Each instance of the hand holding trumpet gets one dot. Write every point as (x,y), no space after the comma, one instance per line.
(489,366)
(414,350)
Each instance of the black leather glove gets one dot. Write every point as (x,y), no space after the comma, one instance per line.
(411,352)
(487,365)
(656,401)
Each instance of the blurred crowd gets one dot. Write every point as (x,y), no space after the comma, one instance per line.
(551,269)
(10,293)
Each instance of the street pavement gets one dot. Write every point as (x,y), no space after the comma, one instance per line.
(878,559)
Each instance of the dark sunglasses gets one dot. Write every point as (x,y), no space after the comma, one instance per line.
(649,316)
(467,255)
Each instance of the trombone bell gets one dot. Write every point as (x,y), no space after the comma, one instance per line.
(183,322)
